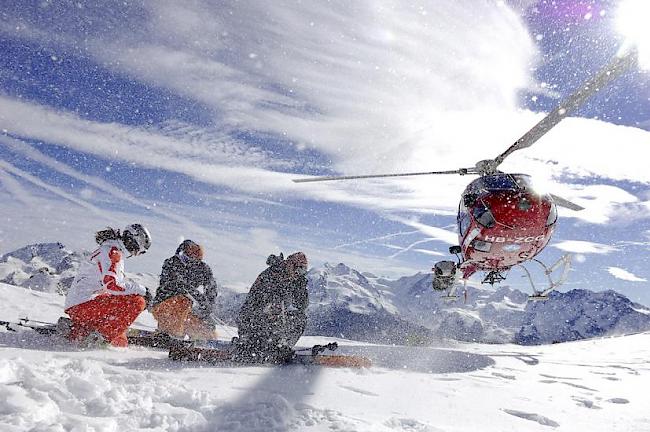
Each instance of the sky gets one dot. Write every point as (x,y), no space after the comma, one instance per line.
(193,118)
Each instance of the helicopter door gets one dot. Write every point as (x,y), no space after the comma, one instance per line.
(463,220)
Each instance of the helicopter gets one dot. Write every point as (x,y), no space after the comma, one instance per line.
(503,222)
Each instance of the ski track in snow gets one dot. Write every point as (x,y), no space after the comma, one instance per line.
(585,403)
(618,400)
(532,417)
(359,390)
(410,425)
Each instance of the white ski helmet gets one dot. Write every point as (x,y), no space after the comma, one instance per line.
(136,239)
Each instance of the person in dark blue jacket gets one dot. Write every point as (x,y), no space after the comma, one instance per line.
(185,300)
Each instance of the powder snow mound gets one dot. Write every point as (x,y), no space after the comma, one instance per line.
(597,386)
(88,394)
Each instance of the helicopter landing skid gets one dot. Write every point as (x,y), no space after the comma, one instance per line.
(537,297)
(563,264)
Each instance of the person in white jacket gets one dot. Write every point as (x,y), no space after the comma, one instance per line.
(101,299)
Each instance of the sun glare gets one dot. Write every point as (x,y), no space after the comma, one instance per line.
(632,22)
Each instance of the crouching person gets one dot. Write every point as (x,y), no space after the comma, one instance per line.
(273,316)
(101,303)
(185,300)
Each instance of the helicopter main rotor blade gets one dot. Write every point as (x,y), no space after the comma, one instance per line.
(607,74)
(461,171)
(562,202)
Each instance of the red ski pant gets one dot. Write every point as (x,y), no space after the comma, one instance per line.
(110,315)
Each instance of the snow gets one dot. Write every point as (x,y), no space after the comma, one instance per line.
(595,385)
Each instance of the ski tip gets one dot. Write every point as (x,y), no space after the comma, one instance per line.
(350,361)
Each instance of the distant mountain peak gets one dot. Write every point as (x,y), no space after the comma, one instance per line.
(48,267)
(338,269)
(27,253)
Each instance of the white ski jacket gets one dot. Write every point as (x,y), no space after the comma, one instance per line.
(102,274)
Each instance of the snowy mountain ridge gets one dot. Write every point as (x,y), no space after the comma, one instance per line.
(47,267)
(347,303)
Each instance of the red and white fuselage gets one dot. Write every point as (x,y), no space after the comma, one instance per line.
(502,222)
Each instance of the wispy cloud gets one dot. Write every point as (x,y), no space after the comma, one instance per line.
(358,82)
(412,246)
(625,275)
(584,247)
(49,188)
(435,233)
(375,239)
(372,87)
(339,77)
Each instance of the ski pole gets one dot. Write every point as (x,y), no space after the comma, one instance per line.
(27,320)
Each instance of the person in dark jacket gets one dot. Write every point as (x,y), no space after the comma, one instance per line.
(185,300)
(273,316)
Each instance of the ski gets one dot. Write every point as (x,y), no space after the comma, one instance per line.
(154,339)
(161,341)
(62,326)
(39,327)
(226,356)
(135,336)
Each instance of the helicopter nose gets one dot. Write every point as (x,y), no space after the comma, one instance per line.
(524,204)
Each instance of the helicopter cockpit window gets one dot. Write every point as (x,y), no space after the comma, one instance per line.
(523,181)
(500,182)
(552,215)
(463,223)
(484,216)
(463,218)
(469,199)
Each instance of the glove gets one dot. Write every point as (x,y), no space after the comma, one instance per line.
(203,312)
